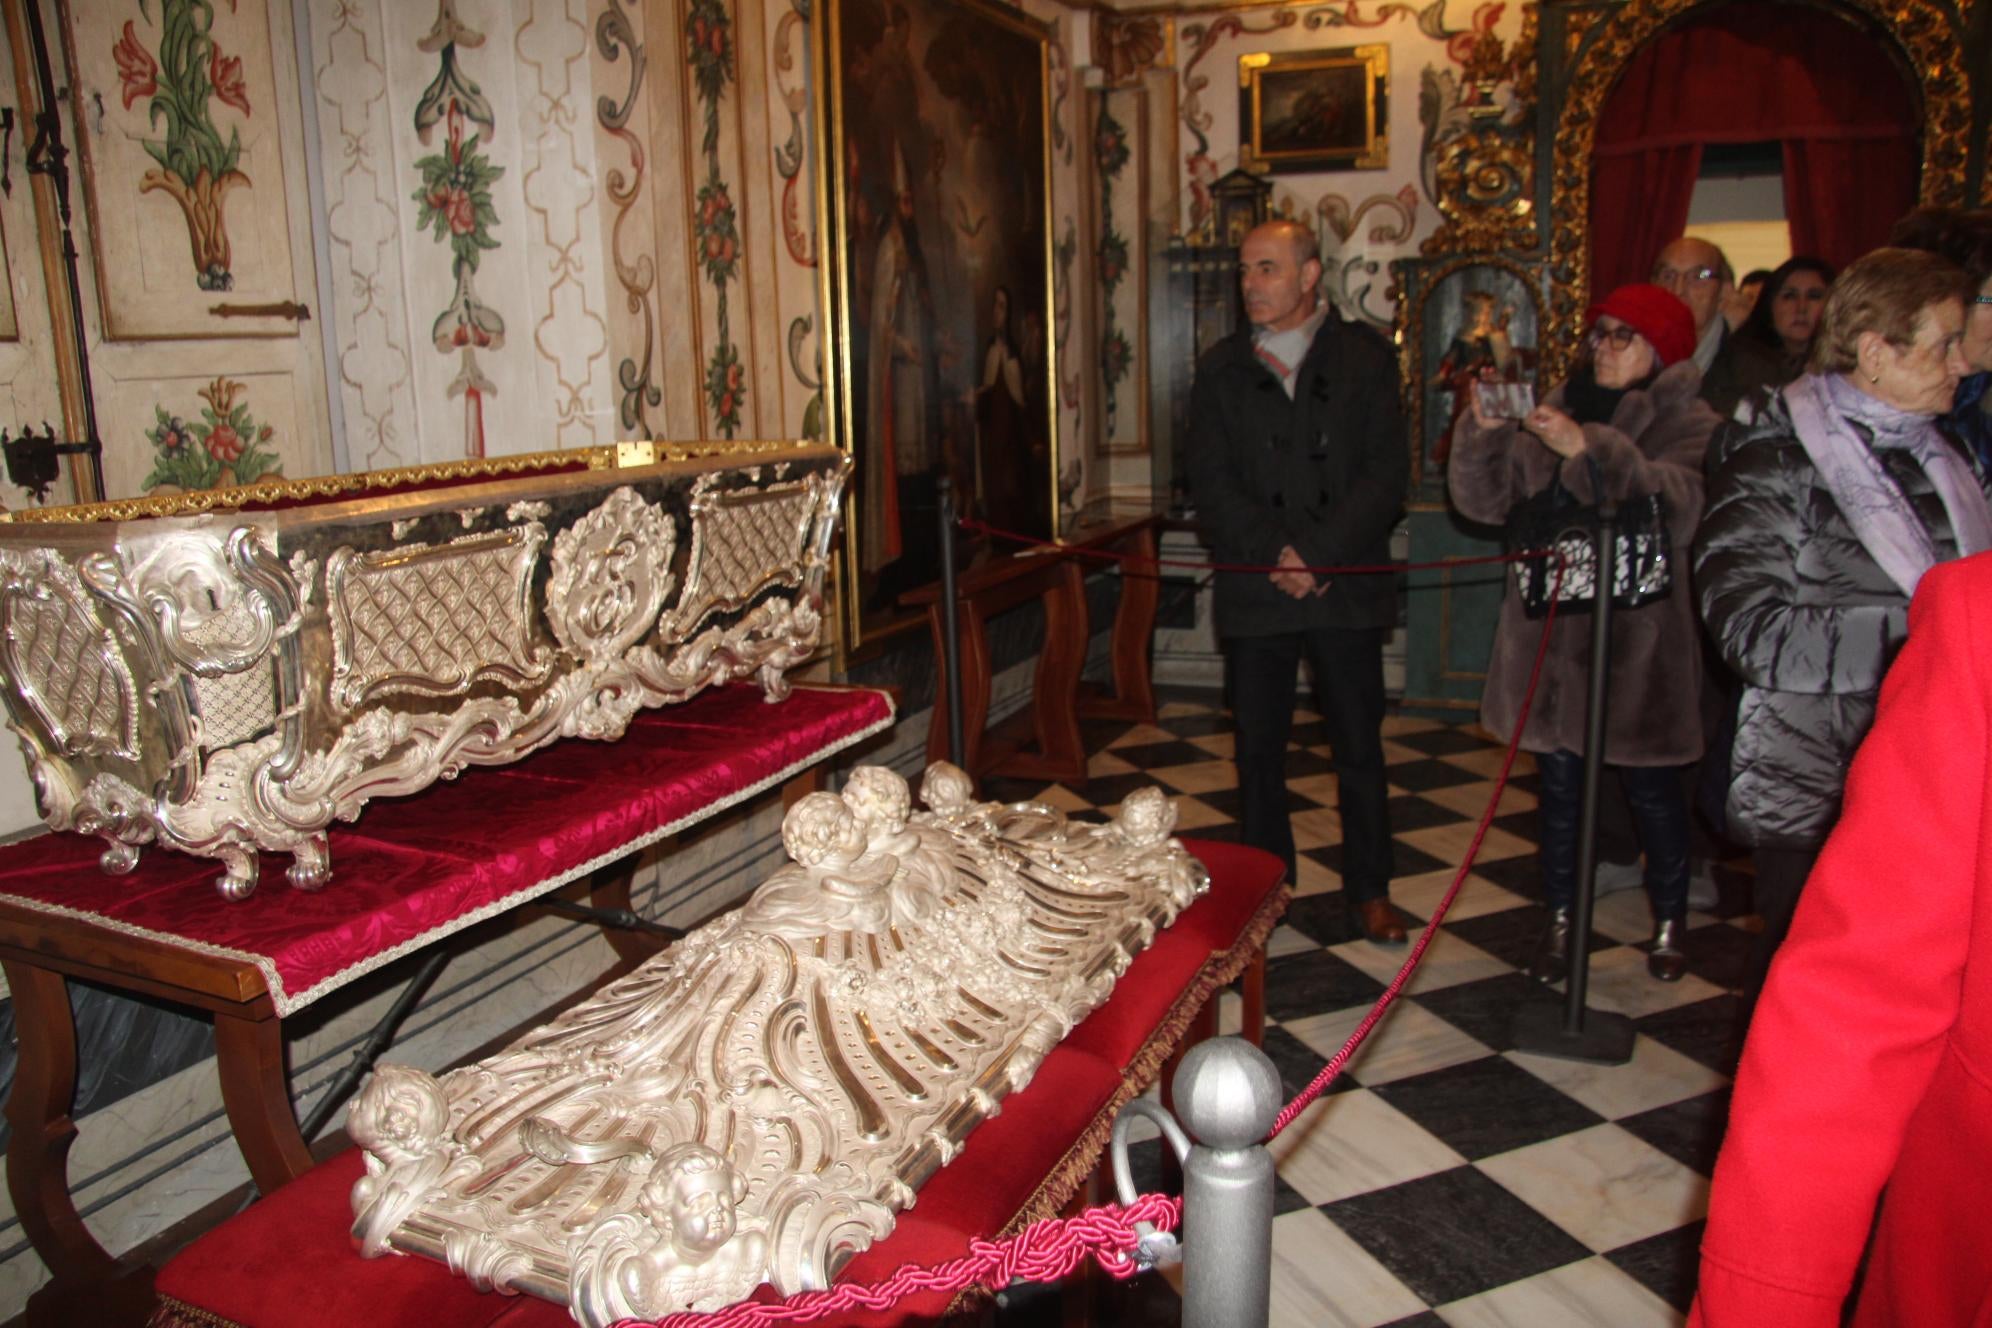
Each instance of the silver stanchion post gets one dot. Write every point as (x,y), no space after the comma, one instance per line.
(1227,1092)
(950,625)
(1583,1034)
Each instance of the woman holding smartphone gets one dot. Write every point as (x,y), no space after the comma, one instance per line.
(1630,419)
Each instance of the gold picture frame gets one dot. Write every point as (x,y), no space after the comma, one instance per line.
(934,185)
(1323,110)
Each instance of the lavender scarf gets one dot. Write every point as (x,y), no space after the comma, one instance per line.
(1881,516)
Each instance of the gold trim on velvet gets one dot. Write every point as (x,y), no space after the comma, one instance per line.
(172,1313)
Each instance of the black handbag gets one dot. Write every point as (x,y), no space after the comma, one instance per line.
(1554,521)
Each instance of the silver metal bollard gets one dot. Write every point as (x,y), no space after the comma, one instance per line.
(1227,1092)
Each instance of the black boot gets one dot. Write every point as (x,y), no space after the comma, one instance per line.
(1666,962)
(1552,957)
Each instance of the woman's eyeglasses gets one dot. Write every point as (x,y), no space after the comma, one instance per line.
(1619,337)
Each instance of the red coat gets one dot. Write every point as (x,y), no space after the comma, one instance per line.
(1869,1063)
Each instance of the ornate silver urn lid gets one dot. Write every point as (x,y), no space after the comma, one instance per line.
(756,1103)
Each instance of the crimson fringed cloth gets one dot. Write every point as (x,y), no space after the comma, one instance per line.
(412,870)
(288,1261)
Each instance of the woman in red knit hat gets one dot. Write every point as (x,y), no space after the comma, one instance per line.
(1631,418)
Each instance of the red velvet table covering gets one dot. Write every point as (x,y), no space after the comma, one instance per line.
(413,870)
(288,1261)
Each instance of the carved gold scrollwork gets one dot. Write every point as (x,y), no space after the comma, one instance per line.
(1486,182)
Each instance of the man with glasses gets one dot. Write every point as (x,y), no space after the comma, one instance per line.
(1697,273)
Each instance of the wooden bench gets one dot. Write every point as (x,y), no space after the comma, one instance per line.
(409,874)
(287,1261)
(1044,741)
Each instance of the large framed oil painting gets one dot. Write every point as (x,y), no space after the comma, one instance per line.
(937,274)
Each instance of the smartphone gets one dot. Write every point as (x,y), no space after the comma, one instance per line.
(1504,401)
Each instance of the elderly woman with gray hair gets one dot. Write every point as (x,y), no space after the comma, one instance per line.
(1823,514)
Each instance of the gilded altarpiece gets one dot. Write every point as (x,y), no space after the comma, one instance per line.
(1505,156)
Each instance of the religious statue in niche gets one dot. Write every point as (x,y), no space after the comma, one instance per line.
(196,167)
(1478,326)
(1482,351)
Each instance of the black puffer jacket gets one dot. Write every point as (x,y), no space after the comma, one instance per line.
(1803,615)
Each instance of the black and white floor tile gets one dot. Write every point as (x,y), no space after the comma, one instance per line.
(1447,1178)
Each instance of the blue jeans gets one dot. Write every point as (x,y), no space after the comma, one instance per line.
(1659,813)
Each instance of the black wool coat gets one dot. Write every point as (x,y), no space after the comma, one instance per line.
(1324,473)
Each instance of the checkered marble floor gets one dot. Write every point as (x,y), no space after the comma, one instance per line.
(1447,1178)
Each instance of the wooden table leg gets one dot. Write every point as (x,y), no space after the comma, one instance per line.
(1252,986)
(1133,695)
(38,1108)
(801,786)
(255,1089)
(1055,690)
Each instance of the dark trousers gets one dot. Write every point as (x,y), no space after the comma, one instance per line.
(1348,683)
(1781,874)
(1659,808)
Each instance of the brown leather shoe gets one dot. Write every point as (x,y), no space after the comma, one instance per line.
(1379,921)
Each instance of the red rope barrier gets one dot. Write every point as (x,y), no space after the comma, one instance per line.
(1049,1250)
(1042,1252)
(1361,569)
(1390,993)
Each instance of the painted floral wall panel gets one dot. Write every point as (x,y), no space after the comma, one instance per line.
(626,71)
(760,223)
(183,142)
(192,278)
(374,340)
(789,148)
(502,270)
(1120,342)
(561,222)
(672,141)
(710,52)
(202,431)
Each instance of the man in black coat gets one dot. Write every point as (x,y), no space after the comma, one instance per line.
(1297,458)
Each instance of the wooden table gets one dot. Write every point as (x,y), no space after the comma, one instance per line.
(59,920)
(1044,743)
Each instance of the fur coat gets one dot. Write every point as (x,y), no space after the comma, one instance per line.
(1654,443)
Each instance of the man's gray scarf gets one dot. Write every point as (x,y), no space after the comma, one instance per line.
(1881,515)
(1282,352)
